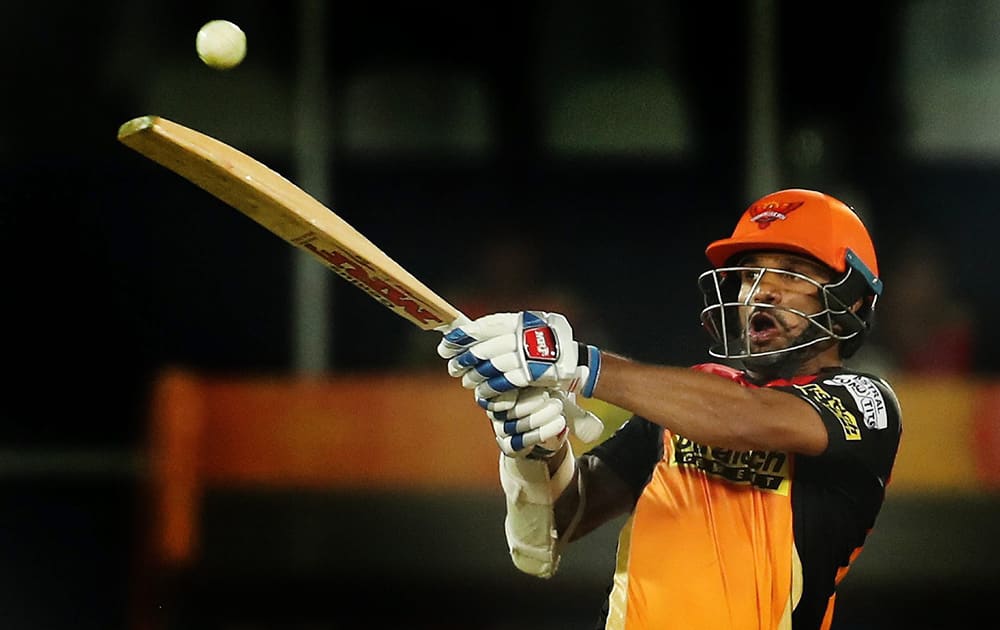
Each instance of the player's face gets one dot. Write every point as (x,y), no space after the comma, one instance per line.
(774,287)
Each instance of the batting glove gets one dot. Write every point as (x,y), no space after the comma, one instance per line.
(528,422)
(500,352)
(521,404)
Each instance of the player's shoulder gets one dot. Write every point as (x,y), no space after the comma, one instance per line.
(872,394)
(856,379)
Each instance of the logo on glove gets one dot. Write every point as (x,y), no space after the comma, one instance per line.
(540,344)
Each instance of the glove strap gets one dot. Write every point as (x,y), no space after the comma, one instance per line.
(590,360)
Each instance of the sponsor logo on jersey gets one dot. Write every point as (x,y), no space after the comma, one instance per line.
(866,395)
(540,344)
(766,470)
(836,406)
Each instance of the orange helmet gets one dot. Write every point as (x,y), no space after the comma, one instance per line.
(804,222)
(810,223)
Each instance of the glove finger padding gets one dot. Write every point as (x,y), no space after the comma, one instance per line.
(546,413)
(531,424)
(502,373)
(466,334)
(538,443)
(517,403)
(503,358)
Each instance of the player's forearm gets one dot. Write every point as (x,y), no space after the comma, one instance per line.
(606,497)
(708,409)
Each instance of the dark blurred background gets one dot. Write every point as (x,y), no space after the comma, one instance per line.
(605,144)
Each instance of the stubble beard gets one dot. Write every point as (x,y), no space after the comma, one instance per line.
(785,364)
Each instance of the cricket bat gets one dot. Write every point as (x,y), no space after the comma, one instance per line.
(289,212)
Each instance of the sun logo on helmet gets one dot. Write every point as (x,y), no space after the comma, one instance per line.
(766,214)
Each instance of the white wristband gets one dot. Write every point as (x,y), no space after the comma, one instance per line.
(563,475)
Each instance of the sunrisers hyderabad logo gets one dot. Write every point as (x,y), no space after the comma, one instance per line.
(766,214)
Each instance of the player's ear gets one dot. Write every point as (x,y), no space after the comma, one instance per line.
(854,308)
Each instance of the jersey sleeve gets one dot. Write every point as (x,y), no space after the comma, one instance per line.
(861,415)
(632,452)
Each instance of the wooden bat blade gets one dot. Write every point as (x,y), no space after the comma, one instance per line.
(289,212)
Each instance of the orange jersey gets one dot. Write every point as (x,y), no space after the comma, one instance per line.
(750,540)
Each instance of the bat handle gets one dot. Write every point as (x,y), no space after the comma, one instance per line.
(459,320)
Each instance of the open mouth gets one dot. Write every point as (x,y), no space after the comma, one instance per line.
(763,327)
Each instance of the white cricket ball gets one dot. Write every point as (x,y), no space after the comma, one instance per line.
(221,44)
